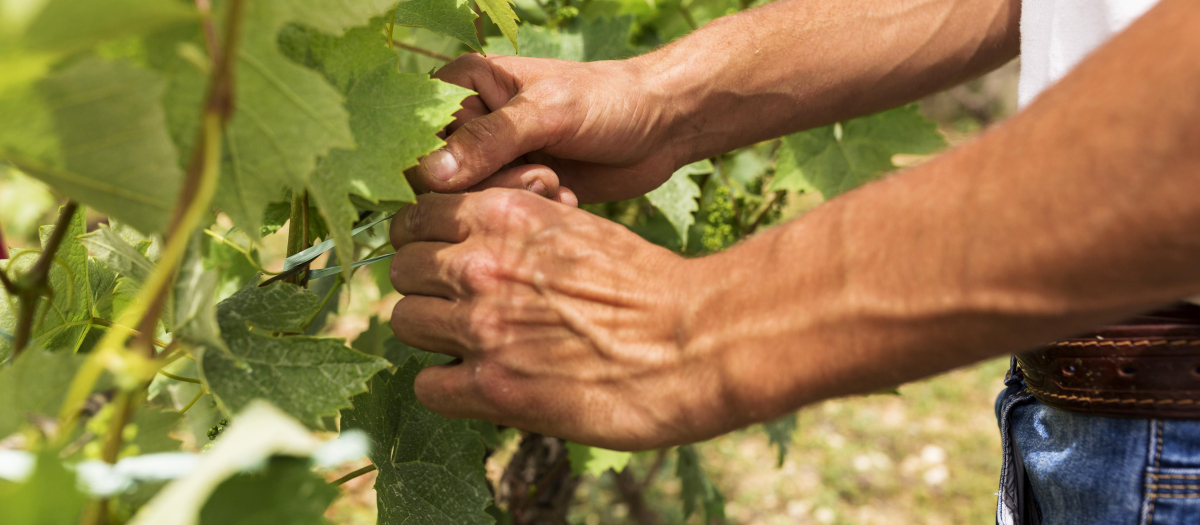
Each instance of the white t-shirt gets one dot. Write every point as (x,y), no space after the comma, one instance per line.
(1057,34)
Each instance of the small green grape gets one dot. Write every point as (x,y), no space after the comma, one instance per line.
(719,232)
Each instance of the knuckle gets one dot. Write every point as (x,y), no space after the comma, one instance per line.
(416,219)
(496,386)
(486,327)
(477,271)
(484,129)
(508,209)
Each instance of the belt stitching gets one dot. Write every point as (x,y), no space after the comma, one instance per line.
(1123,401)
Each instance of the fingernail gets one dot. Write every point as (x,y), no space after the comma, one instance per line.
(441,164)
(538,188)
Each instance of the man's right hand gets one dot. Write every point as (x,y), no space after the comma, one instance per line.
(596,125)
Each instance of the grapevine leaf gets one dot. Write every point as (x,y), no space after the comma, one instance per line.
(306,377)
(287,116)
(779,432)
(256,434)
(76,24)
(430,468)
(452,18)
(395,117)
(342,59)
(602,39)
(151,428)
(195,311)
(118,256)
(378,340)
(834,162)
(33,385)
(595,461)
(47,497)
(79,283)
(278,214)
(502,14)
(271,496)
(697,488)
(113,151)
(676,198)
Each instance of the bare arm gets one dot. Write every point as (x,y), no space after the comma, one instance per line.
(1081,210)
(617,129)
(798,64)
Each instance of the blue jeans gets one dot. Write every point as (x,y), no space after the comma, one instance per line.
(1063,467)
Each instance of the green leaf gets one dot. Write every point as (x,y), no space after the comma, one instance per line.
(256,434)
(676,198)
(341,59)
(502,14)
(779,432)
(306,377)
(595,461)
(47,497)
(287,116)
(838,158)
(378,340)
(395,117)
(602,39)
(452,18)
(430,468)
(286,491)
(79,284)
(33,385)
(113,151)
(118,256)
(151,428)
(278,214)
(194,301)
(697,488)
(76,24)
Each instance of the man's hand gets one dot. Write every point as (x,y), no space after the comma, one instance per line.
(594,124)
(562,322)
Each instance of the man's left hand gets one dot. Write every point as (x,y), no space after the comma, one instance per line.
(561,322)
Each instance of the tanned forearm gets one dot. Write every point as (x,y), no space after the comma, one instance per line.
(797,64)
(1082,209)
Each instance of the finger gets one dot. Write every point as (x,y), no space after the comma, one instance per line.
(451,391)
(483,145)
(533,177)
(566,196)
(428,323)
(480,74)
(434,217)
(423,268)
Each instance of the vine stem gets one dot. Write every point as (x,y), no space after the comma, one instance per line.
(342,480)
(195,197)
(422,51)
(37,280)
(109,324)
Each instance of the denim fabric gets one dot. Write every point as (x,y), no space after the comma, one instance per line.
(1085,469)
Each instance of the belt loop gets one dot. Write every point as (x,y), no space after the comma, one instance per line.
(1013,371)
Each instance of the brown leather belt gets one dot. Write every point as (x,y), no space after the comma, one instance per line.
(1148,366)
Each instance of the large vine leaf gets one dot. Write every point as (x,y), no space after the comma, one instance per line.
(430,468)
(63,321)
(270,496)
(601,39)
(306,377)
(100,137)
(48,497)
(502,14)
(452,18)
(395,117)
(33,385)
(676,198)
(838,158)
(287,116)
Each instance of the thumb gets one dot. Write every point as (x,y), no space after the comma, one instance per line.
(480,148)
